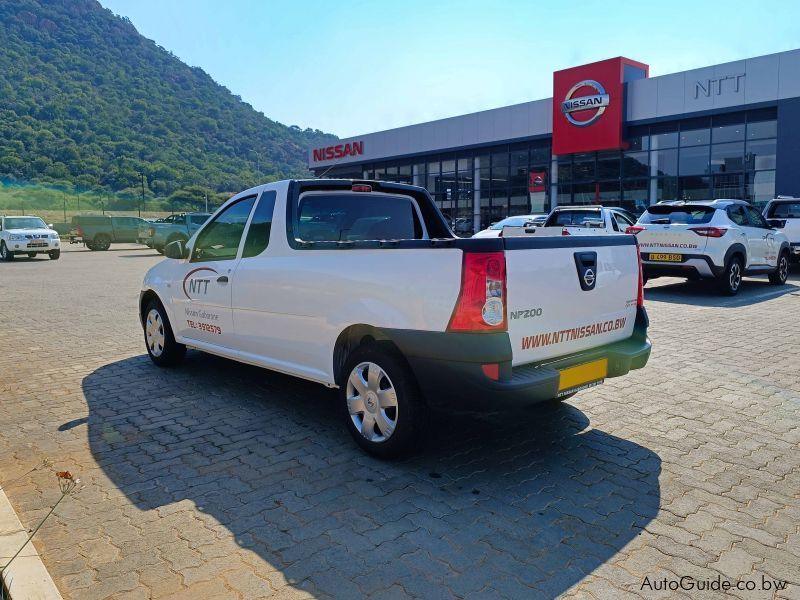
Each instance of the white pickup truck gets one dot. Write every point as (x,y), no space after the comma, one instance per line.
(577,220)
(784,215)
(362,286)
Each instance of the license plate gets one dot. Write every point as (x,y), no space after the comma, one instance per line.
(582,376)
(666,257)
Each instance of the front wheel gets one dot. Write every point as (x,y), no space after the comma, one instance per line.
(54,254)
(6,254)
(730,280)
(382,405)
(158,337)
(781,273)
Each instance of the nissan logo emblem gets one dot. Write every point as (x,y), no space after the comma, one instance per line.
(588,277)
(597,102)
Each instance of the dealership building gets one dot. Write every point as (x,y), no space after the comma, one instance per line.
(611,134)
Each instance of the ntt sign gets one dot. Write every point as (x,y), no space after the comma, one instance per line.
(589,103)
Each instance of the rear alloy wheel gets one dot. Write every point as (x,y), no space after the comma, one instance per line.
(781,274)
(158,337)
(5,253)
(101,242)
(384,410)
(730,280)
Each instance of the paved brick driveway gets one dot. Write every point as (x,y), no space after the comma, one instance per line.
(218,480)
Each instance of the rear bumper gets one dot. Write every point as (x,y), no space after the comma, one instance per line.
(693,264)
(454,379)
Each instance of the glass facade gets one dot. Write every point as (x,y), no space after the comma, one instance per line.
(731,155)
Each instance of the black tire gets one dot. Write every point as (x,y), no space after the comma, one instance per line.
(5,254)
(730,280)
(31,254)
(89,245)
(409,412)
(101,242)
(781,273)
(54,254)
(171,352)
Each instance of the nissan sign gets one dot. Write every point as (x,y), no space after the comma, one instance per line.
(338,151)
(589,105)
(573,103)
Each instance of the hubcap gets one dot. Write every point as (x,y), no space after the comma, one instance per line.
(154,333)
(736,276)
(372,402)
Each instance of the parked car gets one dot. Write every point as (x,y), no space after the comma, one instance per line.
(517,221)
(719,239)
(784,215)
(172,228)
(98,232)
(362,286)
(27,235)
(583,220)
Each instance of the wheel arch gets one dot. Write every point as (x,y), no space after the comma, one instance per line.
(145,298)
(734,250)
(351,338)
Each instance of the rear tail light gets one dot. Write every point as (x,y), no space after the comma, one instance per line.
(481,305)
(491,370)
(79,231)
(715,232)
(565,232)
(634,229)
(640,295)
(360,187)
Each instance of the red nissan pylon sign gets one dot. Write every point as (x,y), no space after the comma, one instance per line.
(589,105)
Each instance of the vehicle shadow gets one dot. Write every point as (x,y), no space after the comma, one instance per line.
(527,503)
(704,293)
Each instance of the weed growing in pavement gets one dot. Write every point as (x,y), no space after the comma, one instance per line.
(68,485)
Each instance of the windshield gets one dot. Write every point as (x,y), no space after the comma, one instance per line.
(511,222)
(25,223)
(666,214)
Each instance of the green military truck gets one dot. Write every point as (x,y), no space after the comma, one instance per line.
(98,232)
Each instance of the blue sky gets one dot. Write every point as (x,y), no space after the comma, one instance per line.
(355,66)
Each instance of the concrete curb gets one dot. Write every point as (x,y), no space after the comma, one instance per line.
(26,578)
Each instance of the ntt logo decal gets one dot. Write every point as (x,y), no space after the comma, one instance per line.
(597,102)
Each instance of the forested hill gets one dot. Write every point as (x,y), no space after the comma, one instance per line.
(86,100)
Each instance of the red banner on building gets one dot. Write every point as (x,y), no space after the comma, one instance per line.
(537,181)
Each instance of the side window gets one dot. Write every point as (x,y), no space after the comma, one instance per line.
(756,220)
(736,214)
(623,220)
(220,239)
(257,238)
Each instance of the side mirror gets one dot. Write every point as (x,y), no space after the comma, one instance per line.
(50,225)
(177,250)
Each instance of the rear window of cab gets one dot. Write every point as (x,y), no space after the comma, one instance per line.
(351,217)
(577,218)
(677,215)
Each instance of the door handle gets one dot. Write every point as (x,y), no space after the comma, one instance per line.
(222,279)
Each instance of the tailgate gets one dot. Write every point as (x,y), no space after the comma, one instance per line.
(669,240)
(568,295)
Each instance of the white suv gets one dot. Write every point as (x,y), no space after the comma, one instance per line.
(27,235)
(720,239)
